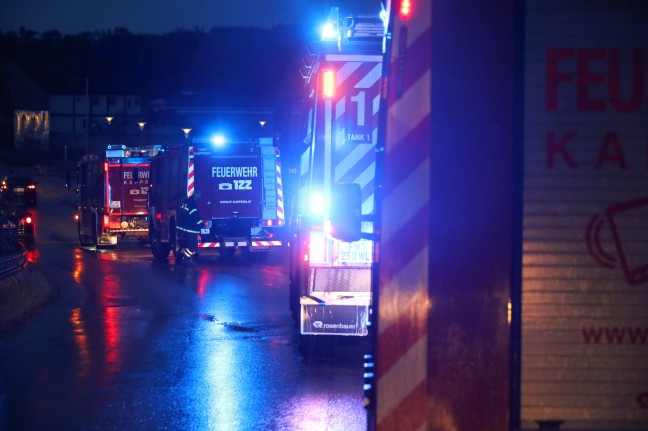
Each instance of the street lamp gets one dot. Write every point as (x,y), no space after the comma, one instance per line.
(186,131)
(262,123)
(109,121)
(141,125)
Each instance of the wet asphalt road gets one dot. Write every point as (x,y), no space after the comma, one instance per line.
(133,344)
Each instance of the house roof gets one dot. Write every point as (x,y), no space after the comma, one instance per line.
(22,91)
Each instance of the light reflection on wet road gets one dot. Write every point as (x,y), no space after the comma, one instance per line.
(130,343)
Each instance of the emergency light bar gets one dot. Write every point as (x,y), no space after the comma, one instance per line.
(331,29)
(116,151)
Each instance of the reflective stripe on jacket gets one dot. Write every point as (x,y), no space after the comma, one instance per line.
(188,219)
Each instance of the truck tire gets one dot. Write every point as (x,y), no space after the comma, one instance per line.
(82,240)
(173,242)
(159,249)
(88,241)
(94,238)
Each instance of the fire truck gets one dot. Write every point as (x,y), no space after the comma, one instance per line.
(330,280)
(112,195)
(241,197)
(511,207)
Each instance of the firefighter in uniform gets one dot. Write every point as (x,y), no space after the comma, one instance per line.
(189,223)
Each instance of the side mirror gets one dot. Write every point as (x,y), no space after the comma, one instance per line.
(346,212)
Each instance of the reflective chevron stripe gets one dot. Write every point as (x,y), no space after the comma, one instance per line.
(265,243)
(402,342)
(190,173)
(239,244)
(351,125)
(280,201)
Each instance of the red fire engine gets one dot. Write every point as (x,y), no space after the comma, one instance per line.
(112,195)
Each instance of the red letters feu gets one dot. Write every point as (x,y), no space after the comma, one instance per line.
(596,71)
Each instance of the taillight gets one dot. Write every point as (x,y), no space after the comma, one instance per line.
(28,220)
(76,217)
(405,9)
(328,83)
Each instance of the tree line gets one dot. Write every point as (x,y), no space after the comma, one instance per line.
(226,66)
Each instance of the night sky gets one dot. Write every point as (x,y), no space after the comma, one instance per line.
(162,16)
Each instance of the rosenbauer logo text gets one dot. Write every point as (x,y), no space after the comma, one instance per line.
(321,325)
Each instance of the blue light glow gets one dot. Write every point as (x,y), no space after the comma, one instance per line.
(218,140)
(329,32)
(318,204)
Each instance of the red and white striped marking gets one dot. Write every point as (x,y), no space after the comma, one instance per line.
(265,243)
(402,344)
(190,173)
(239,244)
(280,201)
(208,245)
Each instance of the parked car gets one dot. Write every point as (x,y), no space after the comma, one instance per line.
(19,189)
(18,225)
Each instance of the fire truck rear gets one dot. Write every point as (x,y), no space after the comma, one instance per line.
(241,197)
(330,280)
(112,195)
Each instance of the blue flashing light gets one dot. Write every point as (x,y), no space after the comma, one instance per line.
(217,140)
(318,204)
(329,32)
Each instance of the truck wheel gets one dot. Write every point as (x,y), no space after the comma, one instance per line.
(82,240)
(85,240)
(94,239)
(159,249)
(175,243)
